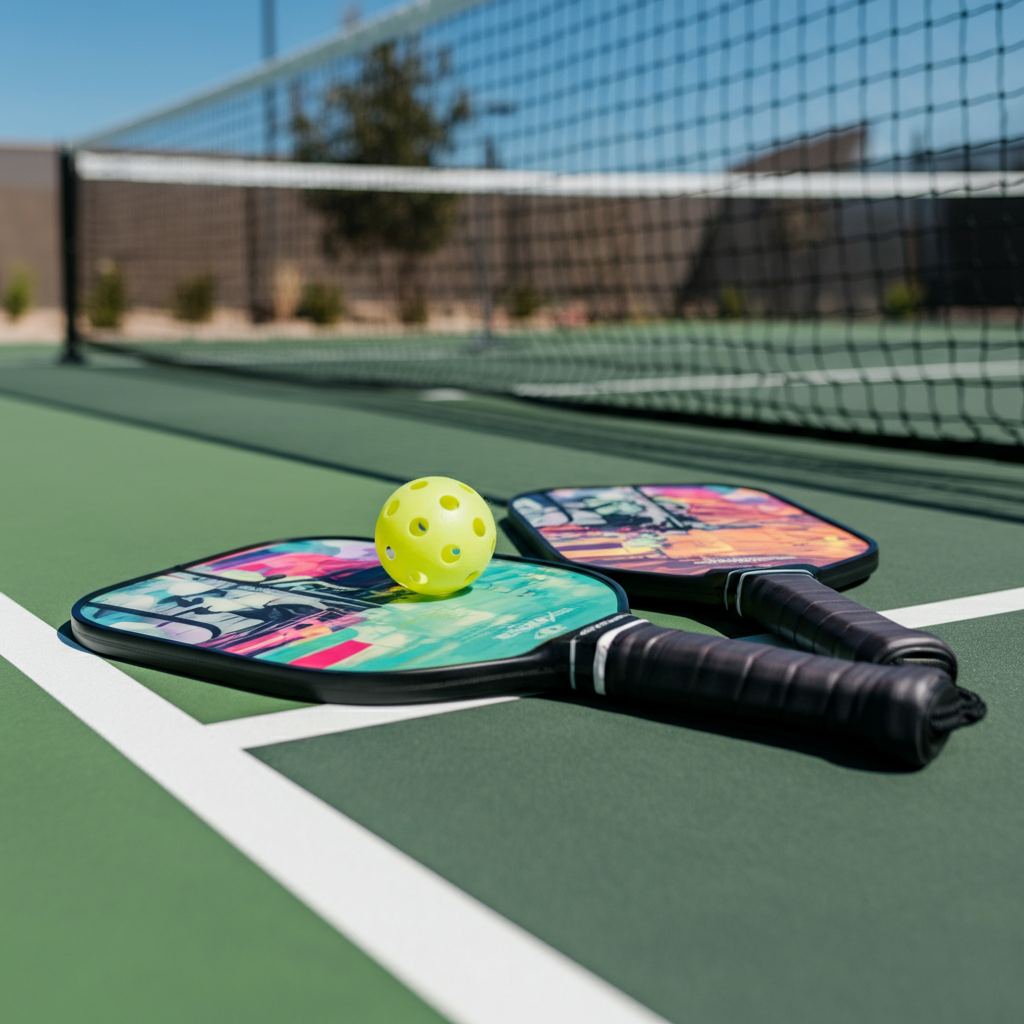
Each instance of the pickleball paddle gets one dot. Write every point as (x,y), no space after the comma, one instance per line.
(743,550)
(319,619)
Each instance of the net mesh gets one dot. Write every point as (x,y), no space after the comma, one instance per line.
(804,215)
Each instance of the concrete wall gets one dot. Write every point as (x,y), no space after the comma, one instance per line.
(29,217)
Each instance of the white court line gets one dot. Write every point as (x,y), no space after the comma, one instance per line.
(472,964)
(917,616)
(784,378)
(324,719)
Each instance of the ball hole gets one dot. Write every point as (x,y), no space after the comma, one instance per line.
(417,485)
(392,508)
(492,545)
(451,553)
(418,527)
(469,579)
(478,527)
(419,578)
(390,552)
(449,503)
(465,488)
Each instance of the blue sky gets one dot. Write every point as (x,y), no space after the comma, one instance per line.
(596,84)
(69,68)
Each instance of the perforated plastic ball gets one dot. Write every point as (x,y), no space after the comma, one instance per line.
(435,535)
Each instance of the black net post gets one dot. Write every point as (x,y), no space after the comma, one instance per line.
(72,350)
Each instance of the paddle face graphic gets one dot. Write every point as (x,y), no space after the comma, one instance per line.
(323,607)
(687,541)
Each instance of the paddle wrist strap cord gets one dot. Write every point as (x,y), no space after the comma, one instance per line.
(907,711)
(808,614)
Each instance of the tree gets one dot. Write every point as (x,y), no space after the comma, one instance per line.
(385,117)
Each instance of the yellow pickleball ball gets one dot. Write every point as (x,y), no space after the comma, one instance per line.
(435,535)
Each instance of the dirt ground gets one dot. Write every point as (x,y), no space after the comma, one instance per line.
(362,318)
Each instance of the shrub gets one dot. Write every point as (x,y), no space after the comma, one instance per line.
(902,300)
(19,292)
(287,291)
(109,299)
(415,310)
(193,297)
(732,303)
(321,303)
(522,301)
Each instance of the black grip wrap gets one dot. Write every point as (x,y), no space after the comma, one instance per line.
(808,614)
(905,711)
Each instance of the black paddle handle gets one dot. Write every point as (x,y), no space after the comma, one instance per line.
(906,711)
(808,614)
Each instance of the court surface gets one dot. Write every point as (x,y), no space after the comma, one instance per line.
(176,851)
(892,377)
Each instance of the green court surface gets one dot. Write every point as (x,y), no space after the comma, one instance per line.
(631,865)
(922,378)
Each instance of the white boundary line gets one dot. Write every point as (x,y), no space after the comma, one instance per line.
(469,962)
(324,719)
(958,609)
(786,378)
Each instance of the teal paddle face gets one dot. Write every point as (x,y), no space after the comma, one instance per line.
(326,606)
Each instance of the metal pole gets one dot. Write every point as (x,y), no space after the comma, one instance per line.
(266,310)
(72,350)
(270,92)
(483,210)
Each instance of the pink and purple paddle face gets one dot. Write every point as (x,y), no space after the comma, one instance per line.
(698,535)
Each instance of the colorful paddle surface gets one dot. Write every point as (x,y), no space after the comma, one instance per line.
(683,530)
(328,604)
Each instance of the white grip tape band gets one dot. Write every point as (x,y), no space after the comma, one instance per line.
(601,651)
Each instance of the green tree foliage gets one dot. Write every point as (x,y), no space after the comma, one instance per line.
(387,117)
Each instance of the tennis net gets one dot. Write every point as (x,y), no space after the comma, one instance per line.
(806,217)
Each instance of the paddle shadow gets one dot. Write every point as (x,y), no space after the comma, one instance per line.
(837,750)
